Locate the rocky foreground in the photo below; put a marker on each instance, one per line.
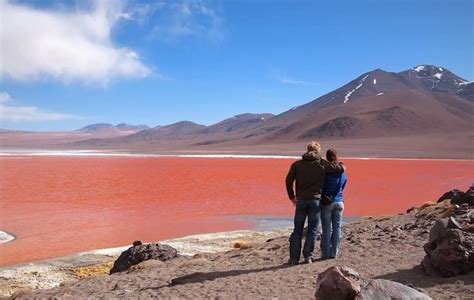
(391, 248)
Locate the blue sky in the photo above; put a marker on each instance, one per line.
(67, 64)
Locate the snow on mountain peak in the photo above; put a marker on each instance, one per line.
(419, 68)
(438, 75)
(465, 82)
(349, 93)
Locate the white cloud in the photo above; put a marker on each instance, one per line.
(286, 80)
(4, 97)
(66, 45)
(28, 113)
(188, 18)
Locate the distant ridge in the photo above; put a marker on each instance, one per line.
(109, 127)
(421, 108)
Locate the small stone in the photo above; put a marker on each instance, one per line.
(453, 223)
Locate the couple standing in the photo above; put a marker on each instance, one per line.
(316, 178)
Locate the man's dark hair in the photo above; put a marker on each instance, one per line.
(331, 155)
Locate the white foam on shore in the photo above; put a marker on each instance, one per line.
(93, 153)
(235, 156)
(194, 244)
(6, 237)
(74, 153)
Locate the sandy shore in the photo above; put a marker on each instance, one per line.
(51, 273)
(387, 247)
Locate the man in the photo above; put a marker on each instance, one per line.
(309, 173)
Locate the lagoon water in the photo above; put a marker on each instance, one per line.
(61, 204)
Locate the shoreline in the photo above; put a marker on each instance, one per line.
(261, 224)
(6, 237)
(389, 247)
(50, 273)
(131, 154)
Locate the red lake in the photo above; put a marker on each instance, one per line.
(59, 205)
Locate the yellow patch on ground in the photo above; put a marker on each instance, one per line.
(427, 204)
(93, 270)
(241, 244)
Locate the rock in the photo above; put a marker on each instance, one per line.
(139, 253)
(459, 197)
(450, 195)
(145, 265)
(469, 228)
(450, 250)
(452, 223)
(410, 226)
(439, 226)
(470, 193)
(426, 264)
(339, 282)
(386, 289)
(137, 243)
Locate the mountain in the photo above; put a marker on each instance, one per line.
(128, 127)
(175, 131)
(423, 111)
(54, 139)
(122, 128)
(414, 109)
(237, 122)
(185, 131)
(424, 99)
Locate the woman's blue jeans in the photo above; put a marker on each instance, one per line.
(310, 209)
(331, 219)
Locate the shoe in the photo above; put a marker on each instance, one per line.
(292, 262)
(308, 261)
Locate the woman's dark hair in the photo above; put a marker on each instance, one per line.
(331, 155)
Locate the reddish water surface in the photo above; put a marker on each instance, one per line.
(61, 205)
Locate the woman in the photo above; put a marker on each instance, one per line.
(331, 214)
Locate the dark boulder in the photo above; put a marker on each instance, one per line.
(450, 249)
(459, 197)
(139, 253)
(343, 283)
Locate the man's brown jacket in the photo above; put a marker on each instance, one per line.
(309, 174)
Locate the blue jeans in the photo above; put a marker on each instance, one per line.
(331, 216)
(310, 209)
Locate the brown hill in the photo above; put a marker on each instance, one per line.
(29, 139)
(410, 112)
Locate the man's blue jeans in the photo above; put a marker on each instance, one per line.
(310, 209)
(331, 216)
